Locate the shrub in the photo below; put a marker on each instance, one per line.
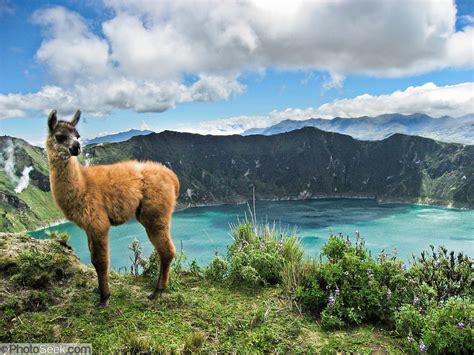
(260, 253)
(350, 287)
(217, 270)
(408, 321)
(441, 329)
(446, 274)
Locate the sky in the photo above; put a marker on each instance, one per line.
(222, 67)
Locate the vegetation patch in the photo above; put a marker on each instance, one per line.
(262, 296)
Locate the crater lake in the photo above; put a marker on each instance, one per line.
(202, 232)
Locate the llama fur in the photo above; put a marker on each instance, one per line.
(98, 197)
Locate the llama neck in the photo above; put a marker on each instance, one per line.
(67, 180)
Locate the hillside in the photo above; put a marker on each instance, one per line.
(305, 163)
(446, 129)
(25, 197)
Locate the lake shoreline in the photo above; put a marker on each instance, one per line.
(381, 200)
(181, 207)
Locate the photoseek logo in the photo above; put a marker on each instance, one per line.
(42, 348)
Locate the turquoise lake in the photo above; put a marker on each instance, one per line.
(203, 231)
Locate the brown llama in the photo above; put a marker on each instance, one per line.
(100, 196)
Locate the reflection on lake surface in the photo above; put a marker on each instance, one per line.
(204, 230)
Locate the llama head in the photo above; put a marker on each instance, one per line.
(63, 136)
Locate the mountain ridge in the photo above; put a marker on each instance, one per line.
(117, 137)
(445, 128)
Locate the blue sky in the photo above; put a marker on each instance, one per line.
(177, 65)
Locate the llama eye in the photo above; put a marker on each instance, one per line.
(61, 138)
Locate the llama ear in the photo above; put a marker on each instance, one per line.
(76, 118)
(52, 120)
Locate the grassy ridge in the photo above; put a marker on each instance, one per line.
(56, 303)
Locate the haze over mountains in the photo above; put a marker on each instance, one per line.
(117, 137)
(446, 129)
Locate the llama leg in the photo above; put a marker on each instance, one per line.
(159, 235)
(99, 248)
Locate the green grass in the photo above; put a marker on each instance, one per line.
(194, 315)
(226, 320)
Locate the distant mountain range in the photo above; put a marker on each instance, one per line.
(446, 129)
(304, 163)
(117, 137)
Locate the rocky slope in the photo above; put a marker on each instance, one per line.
(305, 163)
(300, 164)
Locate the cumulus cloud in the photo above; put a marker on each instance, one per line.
(373, 37)
(148, 47)
(70, 49)
(436, 101)
(102, 97)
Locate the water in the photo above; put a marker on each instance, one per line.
(203, 231)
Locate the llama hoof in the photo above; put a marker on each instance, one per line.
(104, 302)
(155, 294)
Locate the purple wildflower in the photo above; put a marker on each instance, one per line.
(337, 292)
(346, 273)
(460, 325)
(370, 274)
(423, 347)
(416, 301)
(389, 294)
(331, 300)
(280, 245)
(410, 339)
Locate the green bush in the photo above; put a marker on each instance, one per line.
(448, 328)
(442, 329)
(351, 287)
(408, 321)
(217, 270)
(259, 255)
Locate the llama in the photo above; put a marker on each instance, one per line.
(100, 196)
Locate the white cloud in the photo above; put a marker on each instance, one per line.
(383, 38)
(103, 97)
(452, 100)
(70, 50)
(140, 55)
